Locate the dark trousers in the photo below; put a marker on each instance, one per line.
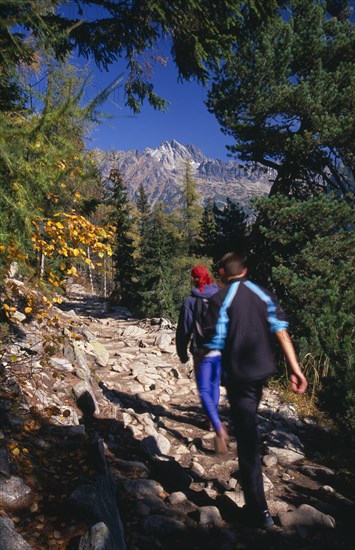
(244, 399)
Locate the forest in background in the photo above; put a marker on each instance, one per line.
(280, 80)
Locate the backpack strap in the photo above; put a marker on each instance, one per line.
(200, 309)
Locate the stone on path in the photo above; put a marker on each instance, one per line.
(306, 517)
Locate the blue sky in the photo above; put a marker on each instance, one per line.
(186, 120)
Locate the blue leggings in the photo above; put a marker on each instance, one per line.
(208, 376)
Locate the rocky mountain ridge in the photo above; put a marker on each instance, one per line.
(104, 447)
(161, 173)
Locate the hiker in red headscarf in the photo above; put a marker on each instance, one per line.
(189, 337)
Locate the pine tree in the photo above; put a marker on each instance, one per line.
(158, 255)
(190, 211)
(231, 229)
(287, 94)
(200, 32)
(207, 238)
(310, 246)
(125, 276)
(143, 208)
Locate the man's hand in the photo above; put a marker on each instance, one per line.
(298, 383)
(298, 380)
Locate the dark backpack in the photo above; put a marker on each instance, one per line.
(200, 310)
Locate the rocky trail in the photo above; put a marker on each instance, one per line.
(104, 446)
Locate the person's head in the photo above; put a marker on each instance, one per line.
(231, 266)
(200, 276)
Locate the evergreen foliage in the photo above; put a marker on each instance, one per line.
(144, 210)
(223, 229)
(231, 229)
(311, 246)
(207, 237)
(41, 158)
(287, 95)
(190, 210)
(199, 31)
(158, 255)
(123, 252)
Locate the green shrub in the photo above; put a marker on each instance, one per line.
(310, 246)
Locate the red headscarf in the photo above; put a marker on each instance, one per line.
(200, 272)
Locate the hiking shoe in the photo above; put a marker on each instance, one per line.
(257, 520)
(265, 520)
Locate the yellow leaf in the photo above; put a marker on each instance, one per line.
(9, 308)
(16, 451)
(28, 309)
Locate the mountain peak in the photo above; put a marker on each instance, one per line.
(172, 154)
(161, 172)
(174, 143)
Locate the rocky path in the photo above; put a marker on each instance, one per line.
(150, 478)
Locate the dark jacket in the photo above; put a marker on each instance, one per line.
(241, 320)
(185, 324)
